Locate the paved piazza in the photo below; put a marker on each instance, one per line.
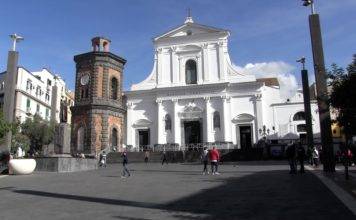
(174, 191)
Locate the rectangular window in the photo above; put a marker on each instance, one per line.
(38, 91)
(38, 108)
(28, 85)
(28, 104)
(47, 113)
(49, 82)
(47, 97)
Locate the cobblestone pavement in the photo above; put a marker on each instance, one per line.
(253, 190)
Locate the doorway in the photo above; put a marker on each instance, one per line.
(245, 137)
(192, 132)
(143, 138)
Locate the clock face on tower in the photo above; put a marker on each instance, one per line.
(84, 80)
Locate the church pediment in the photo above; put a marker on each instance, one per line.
(188, 29)
(142, 123)
(243, 118)
(191, 111)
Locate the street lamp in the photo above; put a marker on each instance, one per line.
(15, 38)
(306, 3)
(307, 110)
(321, 87)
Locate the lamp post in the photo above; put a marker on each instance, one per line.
(321, 87)
(10, 88)
(307, 110)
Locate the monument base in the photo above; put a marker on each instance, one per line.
(65, 164)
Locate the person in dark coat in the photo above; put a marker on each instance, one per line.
(164, 157)
(290, 153)
(301, 157)
(124, 165)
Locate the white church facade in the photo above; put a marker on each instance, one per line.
(195, 95)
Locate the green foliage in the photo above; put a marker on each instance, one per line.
(20, 140)
(39, 131)
(4, 126)
(343, 96)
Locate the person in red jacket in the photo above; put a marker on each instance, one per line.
(214, 159)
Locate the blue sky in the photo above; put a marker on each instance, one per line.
(261, 30)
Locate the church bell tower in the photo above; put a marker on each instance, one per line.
(98, 111)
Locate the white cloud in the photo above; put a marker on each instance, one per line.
(281, 70)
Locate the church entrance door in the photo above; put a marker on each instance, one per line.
(143, 138)
(192, 132)
(245, 137)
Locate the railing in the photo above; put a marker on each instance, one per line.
(176, 147)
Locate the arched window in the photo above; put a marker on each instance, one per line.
(299, 116)
(216, 120)
(168, 122)
(191, 72)
(113, 93)
(80, 139)
(114, 139)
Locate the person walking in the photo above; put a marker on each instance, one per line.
(290, 153)
(315, 157)
(301, 157)
(102, 159)
(125, 171)
(214, 159)
(147, 155)
(205, 158)
(164, 157)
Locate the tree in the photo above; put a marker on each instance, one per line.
(4, 126)
(343, 96)
(39, 131)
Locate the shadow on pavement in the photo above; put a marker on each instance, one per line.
(261, 195)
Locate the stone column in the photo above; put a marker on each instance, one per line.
(9, 98)
(205, 63)
(129, 139)
(177, 130)
(54, 102)
(208, 117)
(226, 119)
(159, 121)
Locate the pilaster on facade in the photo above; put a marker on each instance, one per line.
(181, 71)
(159, 66)
(177, 125)
(156, 65)
(221, 60)
(105, 83)
(129, 122)
(226, 118)
(257, 101)
(205, 62)
(105, 131)
(160, 126)
(208, 121)
(199, 69)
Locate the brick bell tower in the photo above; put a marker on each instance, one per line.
(98, 112)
